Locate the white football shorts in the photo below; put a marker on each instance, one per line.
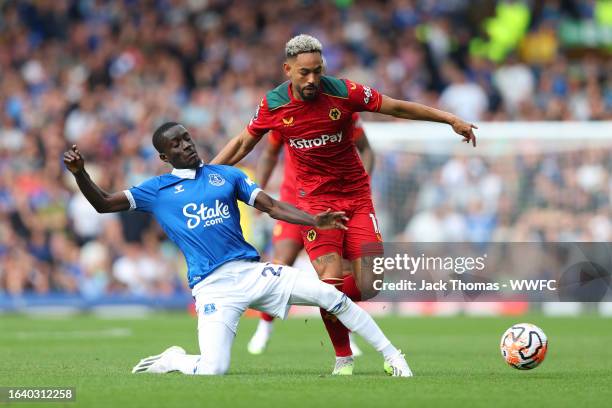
(224, 295)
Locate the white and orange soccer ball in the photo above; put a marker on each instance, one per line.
(524, 346)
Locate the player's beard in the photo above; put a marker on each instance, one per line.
(311, 96)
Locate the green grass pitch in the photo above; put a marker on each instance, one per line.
(456, 361)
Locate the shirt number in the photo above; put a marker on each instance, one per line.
(270, 268)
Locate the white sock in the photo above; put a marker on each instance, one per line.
(308, 291)
(357, 320)
(264, 328)
(389, 351)
(185, 363)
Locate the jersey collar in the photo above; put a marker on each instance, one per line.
(185, 173)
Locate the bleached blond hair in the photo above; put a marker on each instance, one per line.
(301, 44)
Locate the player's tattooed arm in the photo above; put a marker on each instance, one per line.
(416, 111)
(266, 163)
(102, 201)
(236, 149)
(280, 210)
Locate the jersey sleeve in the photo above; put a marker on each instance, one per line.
(274, 138)
(358, 131)
(142, 196)
(363, 98)
(246, 189)
(260, 124)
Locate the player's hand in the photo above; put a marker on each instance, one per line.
(330, 220)
(465, 129)
(73, 160)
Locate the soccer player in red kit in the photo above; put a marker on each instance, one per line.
(312, 113)
(287, 238)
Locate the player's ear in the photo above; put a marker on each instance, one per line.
(163, 157)
(287, 68)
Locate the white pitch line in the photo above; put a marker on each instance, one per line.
(79, 334)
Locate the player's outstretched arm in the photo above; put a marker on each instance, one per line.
(417, 111)
(266, 163)
(236, 149)
(286, 212)
(102, 201)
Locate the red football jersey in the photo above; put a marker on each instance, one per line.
(319, 135)
(288, 188)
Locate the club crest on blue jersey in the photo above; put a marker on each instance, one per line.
(209, 308)
(216, 179)
(203, 222)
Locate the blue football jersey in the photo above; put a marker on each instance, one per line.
(198, 211)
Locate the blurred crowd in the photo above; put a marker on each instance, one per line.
(561, 196)
(104, 74)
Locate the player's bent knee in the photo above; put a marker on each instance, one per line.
(367, 284)
(218, 370)
(212, 370)
(368, 293)
(212, 367)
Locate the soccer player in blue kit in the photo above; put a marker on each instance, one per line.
(196, 206)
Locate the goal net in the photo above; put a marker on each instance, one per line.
(525, 181)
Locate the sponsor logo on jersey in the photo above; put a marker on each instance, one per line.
(288, 121)
(209, 308)
(216, 179)
(178, 189)
(334, 114)
(256, 112)
(249, 181)
(367, 91)
(316, 142)
(206, 215)
(311, 235)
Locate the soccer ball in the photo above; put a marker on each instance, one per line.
(524, 346)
